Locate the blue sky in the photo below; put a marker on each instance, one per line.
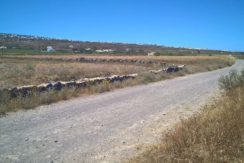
(213, 24)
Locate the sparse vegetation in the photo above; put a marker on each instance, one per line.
(167, 59)
(29, 45)
(216, 134)
(232, 81)
(17, 72)
(8, 103)
(239, 56)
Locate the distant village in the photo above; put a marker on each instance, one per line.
(25, 44)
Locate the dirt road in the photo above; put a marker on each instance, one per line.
(106, 127)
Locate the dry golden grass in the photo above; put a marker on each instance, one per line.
(216, 134)
(9, 104)
(16, 72)
(168, 59)
(19, 71)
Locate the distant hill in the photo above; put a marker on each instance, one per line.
(18, 44)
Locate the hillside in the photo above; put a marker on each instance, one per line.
(27, 44)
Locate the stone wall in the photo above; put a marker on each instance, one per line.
(82, 83)
(59, 85)
(169, 69)
(122, 61)
(96, 60)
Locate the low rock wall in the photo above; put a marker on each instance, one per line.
(82, 83)
(97, 60)
(59, 85)
(122, 61)
(169, 69)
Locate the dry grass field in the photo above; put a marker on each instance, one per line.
(18, 72)
(171, 59)
(31, 70)
(27, 70)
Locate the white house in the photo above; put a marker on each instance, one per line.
(151, 54)
(50, 49)
(3, 47)
(71, 46)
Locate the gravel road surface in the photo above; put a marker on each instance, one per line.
(104, 128)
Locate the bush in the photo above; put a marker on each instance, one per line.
(231, 81)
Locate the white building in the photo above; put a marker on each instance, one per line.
(3, 47)
(105, 51)
(151, 54)
(71, 46)
(50, 49)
